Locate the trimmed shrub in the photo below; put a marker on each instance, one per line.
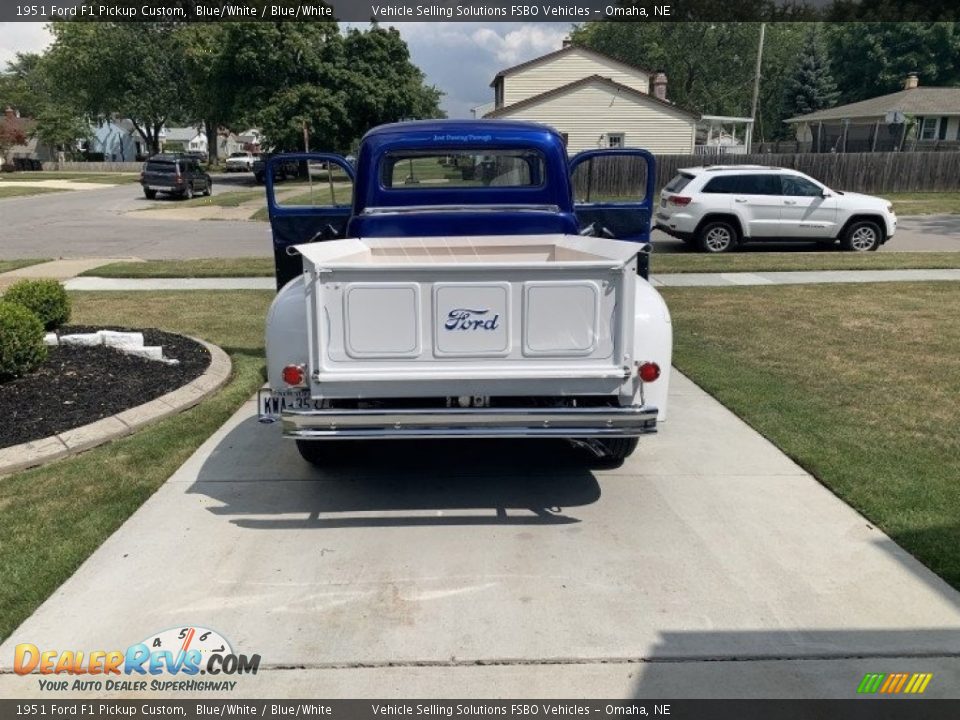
(44, 298)
(21, 341)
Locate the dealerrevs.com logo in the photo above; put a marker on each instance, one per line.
(167, 661)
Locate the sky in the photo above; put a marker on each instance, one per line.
(459, 58)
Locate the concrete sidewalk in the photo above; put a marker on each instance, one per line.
(800, 277)
(708, 565)
(62, 269)
(663, 280)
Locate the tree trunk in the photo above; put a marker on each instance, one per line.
(212, 140)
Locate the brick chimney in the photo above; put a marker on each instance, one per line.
(567, 42)
(660, 86)
(911, 81)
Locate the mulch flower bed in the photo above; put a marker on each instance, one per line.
(80, 385)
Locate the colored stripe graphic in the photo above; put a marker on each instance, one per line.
(894, 683)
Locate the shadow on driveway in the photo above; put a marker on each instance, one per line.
(391, 484)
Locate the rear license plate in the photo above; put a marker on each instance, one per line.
(271, 405)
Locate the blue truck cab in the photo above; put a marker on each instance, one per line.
(437, 178)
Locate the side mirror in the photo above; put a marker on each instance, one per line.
(826, 194)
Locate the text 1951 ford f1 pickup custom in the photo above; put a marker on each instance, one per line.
(451, 286)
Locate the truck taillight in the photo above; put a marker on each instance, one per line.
(679, 200)
(294, 375)
(649, 371)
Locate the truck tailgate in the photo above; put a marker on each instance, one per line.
(493, 311)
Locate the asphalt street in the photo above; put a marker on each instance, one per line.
(708, 565)
(102, 223)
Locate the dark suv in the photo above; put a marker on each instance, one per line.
(178, 175)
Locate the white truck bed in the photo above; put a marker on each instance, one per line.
(440, 316)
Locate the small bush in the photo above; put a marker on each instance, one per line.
(21, 341)
(44, 298)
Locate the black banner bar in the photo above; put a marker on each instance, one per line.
(476, 10)
(855, 709)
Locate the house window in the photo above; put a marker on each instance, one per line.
(928, 128)
(615, 140)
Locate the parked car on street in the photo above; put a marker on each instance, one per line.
(464, 308)
(176, 175)
(719, 207)
(281, 170)
(240, 162)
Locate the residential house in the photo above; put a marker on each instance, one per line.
(16, 129)
(915, 118)
(183, 139)
(594, 101)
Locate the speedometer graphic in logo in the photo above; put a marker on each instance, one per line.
(183, 639)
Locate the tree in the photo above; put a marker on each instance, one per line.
(710, 66)
(28, 87)
(22, 85)
(870, 59)
(810, 86)
(135, 70)
(281, 77)
(11, 134)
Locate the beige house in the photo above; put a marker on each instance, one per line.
(595, 101)
(915, 118)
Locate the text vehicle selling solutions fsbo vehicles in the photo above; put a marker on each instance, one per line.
(451, 286)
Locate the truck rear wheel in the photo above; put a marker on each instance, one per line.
(619, 449)
(607, 451)
(323, 452)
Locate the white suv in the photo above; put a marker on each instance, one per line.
(720, 206)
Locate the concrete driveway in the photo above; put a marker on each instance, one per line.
(709, 565)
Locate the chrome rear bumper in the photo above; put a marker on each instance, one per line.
(469, 422)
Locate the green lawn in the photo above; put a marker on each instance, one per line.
(857, 383)
(202, 267)
(8, 265)
(20, 191)
(230, 199)
(54, 517)
(694, 262)
(318, 195)
(924, 203)
(86, 177)
(660, 263)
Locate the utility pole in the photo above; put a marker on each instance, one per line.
(756, 85)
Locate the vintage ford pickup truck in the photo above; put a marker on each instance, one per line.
(453, 285)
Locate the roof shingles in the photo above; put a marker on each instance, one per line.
(917, 101)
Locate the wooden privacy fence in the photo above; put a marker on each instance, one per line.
(858, 172)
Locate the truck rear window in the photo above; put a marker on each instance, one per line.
(166, 168)
(462, 169)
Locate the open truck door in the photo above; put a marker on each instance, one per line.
(613, 195)
(614, 190)
(313, 206)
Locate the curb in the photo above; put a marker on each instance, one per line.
(70, 442)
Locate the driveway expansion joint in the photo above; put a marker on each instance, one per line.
(86, 437)
(521, 662)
